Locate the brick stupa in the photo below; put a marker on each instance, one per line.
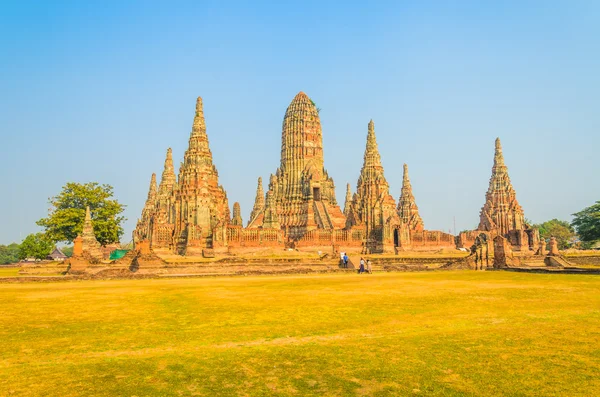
(236, 220)
(407, 206)
(373, 208)
(188, 214)
(86, 245)
(501, 211)
(501, 214)
(200, 203)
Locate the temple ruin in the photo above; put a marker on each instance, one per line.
(302, 193)
(372, 208)
(501, 214)
(189, 214)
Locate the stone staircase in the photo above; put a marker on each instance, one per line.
(532, 261)
(322, 215)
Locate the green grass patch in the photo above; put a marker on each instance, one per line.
(430, 333)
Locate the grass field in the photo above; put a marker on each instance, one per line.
(9, 271)
(429, 333)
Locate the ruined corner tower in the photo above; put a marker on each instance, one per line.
(502, 214)
(372, 207)
(407, 205)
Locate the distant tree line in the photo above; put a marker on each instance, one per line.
(9, 253)
(583, 232)
(34, 246)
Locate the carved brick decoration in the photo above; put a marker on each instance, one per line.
(407, 206)
(271, 218)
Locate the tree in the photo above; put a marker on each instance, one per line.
(587, 223)
(37, 246)
(9, 253)
(66, 217)
(561, 230)
(68, 251)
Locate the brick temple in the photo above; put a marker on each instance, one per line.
(189, 214)
(501, 214)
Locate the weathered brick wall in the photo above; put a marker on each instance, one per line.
(239, 237)
(431, 239)
(593, 260)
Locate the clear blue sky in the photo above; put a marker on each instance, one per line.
(97, 91)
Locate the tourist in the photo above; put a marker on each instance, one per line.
(361, 269)
(345, 261)
(369, 268)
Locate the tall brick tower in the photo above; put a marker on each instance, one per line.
(302, 192)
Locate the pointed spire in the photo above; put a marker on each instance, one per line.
(371, 205)
(148, 209)
(371, 160)
(259, 201)
(348, 201)
(237, 215)
(498, 156)
(198, 150)
(199, 126)
(168, 181)
(372, 157)
(152, 190)
(88, 215)
(407, 206)
(90, 245)
(371, 147)
(405, 179)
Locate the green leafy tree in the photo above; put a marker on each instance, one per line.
(561, 230)
(37, 246)
(66, 216)
(587, 223)
(9, 253)
(68, 251)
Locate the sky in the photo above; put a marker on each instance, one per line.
(98, 90)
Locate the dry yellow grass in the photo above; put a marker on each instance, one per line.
(433, 333)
